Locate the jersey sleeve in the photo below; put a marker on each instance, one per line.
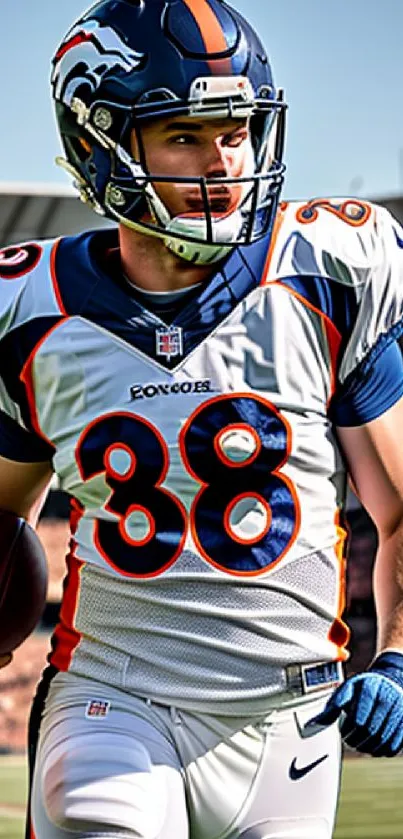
(371, 368)
(27, 304)
(17, 443)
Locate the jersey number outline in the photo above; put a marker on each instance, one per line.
(18, 260)
(351, 211)
(228, 485)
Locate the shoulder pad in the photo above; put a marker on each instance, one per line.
(329, 237)
(27, 288)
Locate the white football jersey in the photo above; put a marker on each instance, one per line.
(206, 481)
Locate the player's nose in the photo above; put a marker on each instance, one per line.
(218, 160)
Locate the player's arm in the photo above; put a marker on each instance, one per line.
(374, 454)
(371, 703)
(23, 489)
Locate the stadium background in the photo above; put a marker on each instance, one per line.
(369, 806)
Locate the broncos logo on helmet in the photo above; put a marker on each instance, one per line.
(101, 51)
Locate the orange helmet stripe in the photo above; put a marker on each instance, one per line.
(209, 25)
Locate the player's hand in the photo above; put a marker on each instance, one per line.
(371, 708)
(5, 659)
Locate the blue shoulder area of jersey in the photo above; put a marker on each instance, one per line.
(86, 289)
(377, 382)
(374, 386)
(15, 349)
(337, 302)
(24, 446)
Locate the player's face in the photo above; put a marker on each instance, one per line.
(195, 148)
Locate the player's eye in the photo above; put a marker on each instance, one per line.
(235, 140)
(183, 139)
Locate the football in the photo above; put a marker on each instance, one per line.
(23, 580)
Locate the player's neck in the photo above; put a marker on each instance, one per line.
(148, 264)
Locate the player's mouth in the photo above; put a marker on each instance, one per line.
(220, 200)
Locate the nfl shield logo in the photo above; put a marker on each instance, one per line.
(169, 341)
(97, 708)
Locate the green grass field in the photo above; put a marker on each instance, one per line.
(371, 801)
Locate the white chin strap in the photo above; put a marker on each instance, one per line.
(225, 229)
(200, 253)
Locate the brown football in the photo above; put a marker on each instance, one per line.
(23, 580)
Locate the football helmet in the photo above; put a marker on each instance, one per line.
(126, 61)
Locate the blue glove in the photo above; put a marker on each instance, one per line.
(371, 705)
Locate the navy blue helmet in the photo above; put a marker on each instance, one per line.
(126, 61)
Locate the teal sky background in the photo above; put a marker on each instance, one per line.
(339, 61)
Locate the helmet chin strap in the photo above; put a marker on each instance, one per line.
(197, 254)
(200, 253)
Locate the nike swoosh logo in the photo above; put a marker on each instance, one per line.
(295, 773)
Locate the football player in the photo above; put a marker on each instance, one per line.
(202, 378)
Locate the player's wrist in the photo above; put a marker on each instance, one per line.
(389, 663)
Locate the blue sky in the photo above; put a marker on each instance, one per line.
(340, 62)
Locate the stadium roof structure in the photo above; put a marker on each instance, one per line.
(42, 211)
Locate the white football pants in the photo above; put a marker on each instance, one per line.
(112, 765)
